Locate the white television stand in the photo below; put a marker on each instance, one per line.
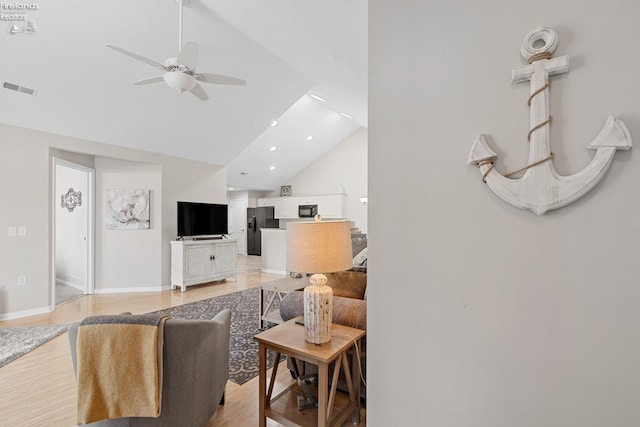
(201, 261)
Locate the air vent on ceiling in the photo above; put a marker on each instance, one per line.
(18, 88)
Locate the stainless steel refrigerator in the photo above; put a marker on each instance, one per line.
(258, 218)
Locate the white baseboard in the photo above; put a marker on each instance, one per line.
(49, 309)
(26, 313)
(130, 290)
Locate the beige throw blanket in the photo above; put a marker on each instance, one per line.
(119, 367)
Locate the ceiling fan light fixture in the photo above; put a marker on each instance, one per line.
(180, 72)
(179, 81)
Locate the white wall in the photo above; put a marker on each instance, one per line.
(344, 165)
(78, 158)
(189, 181)
(25, 182)
(128, 259)
(482, 314)
(25, 201)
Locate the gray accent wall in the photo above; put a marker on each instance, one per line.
(482, 314)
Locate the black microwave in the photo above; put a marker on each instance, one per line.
(307, 211)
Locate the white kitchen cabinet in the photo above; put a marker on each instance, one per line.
(286, 207)
(202, 261)
(307, 200)
(329, 206)
(332, 206)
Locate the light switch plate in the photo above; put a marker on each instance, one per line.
(22, 230)
(11, 231)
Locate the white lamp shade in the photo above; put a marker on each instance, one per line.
(319, 246)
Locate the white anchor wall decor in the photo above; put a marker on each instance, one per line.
(541, 189)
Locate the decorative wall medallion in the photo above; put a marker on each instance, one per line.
(285, 191)
(540, 188)
(71, 200)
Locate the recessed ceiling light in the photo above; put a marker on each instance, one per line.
(274, 123)
(346, 115)
(274, 148)
(272, 168)
(231, 188)
(319, 98)
(309, 138)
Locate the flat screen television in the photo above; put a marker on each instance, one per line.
(202, 219)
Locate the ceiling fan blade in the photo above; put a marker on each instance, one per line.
(149, 80)
(199, 92)
(138, 57)
(218, 79)
(189, 55)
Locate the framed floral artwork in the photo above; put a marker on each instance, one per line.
(127, 209)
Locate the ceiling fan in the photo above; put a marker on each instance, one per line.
(180, 73)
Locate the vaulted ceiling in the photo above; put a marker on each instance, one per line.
(286, 50)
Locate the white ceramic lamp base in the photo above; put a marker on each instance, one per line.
(318, 310)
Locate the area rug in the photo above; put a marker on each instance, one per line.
(18, 341)
(243, 349)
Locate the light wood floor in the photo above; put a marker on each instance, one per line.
(39, 389)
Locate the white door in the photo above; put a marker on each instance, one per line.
(73, 226)
(238, 223)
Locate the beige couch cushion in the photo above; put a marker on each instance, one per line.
(350, 284)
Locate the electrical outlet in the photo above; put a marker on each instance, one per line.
(22, 280)
(12, 231)
(22, 230)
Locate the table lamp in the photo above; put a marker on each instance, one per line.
(318, 247)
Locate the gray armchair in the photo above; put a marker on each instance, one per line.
(195, 372)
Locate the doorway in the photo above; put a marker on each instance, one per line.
(238, 223)
(73, 230)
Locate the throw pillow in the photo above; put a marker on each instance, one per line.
(361, 258)
(348, 284)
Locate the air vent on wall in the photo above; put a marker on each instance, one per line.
(18, 88)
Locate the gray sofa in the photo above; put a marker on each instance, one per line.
(195, 372)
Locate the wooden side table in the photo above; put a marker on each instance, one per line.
(288, 338)
(278, 288)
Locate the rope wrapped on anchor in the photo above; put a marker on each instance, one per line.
(547, 85)
(538, 56)
(529, 166)
(491, 165)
